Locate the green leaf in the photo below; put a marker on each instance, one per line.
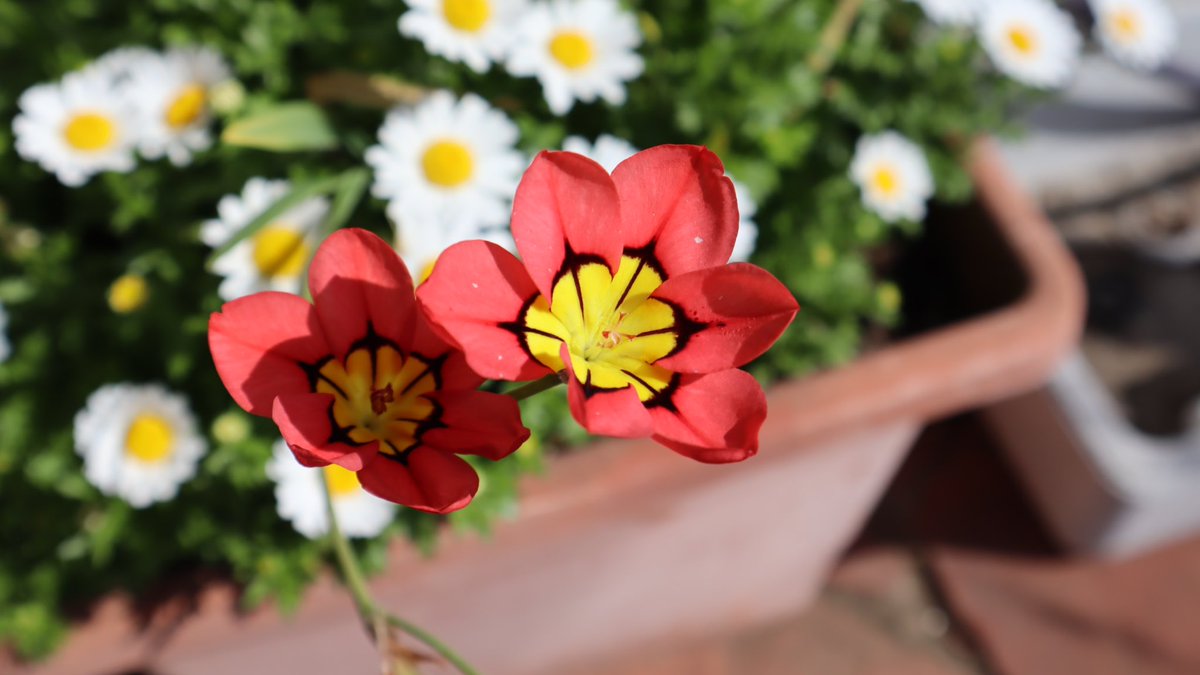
(286, 127)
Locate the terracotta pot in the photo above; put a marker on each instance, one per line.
(627, 544)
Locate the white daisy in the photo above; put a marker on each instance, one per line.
(951, 12)
(609, 151)
(75, 128)
(138, 442)
(1032, 41)
(1140, 34)
(475, 32)
(275, 257)
(893, 175)
(5, 348)
(118, 65)
(448, 162)
(171, 95)
(578, 50)
(298, 498)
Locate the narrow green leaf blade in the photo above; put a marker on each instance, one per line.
(286, 127)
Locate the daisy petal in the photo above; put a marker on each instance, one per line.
(742, 309)
(257, 344)
(713, 418)
(566, 204)
(429, 480)
(677, 199)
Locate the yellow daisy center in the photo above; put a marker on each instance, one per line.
(1023, 40)
(279, 252)
(572, 49)
(340, 482)
(379, 395)
(885, 180)
(150, 438)
(1125, 25)
(187, 106)
(613, 330)
(128, 293)
(90, 132)
(447, 163)
(467, 15)
(427, 270)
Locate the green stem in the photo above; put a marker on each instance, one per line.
(833, 36)
(371, 614)
(536, 387)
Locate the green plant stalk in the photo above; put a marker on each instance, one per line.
(536, 387)
(833, 36)
(370, 613)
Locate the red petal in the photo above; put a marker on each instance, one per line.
(477, 423)
(678, 198)
(304, 422)
(430, 480)
(607, 413)
(743, 308)
(256, 342)
(565, 197)
(475, 289)
(455, 372)
(716, 417)
(356, 278)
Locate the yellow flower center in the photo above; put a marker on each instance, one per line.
(90, 132)
(379, 396)
(1023, 40)
(613, 330)
(885, 181)
(447, 163)
(149, 438)
(1125, 25)
(426, 271)
(128, 293)
(187, 107)
(279, 252)
(572, 49)
(467, 15)
(340, 482)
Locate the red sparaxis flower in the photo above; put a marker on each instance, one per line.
(624, 286)
(358, 379)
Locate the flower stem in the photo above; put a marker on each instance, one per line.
(833, 36)
(375, 618)
(536, 387)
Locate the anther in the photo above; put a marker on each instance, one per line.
(380, 398)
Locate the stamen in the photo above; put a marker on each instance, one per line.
(380, 398)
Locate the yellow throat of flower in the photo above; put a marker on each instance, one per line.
(279, 252)
(188, 105)
(447, 163)
(468, 16)
(90, 132)
(572, 49)
(150, 438)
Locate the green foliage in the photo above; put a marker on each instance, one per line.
(730, 74)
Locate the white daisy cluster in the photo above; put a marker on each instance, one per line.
(273, 258)
(138, 442)
(609, 151)
(448, 168)
(298, 498)
(579, 50)
(893, 176)
(1036, 43)
(131, 99)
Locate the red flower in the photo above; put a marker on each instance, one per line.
(357, 378)
(624, 285)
